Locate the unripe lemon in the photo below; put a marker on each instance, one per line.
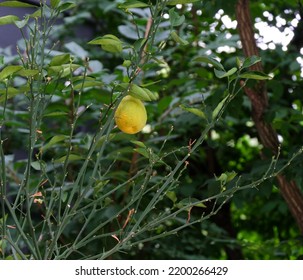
(130, 116)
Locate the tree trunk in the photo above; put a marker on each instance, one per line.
(259, 100)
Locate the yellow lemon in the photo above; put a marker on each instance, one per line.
(130, 116)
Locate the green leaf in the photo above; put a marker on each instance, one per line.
(178, 39)
(141, 93)
(108, 43)
(127, 63)
(66, 6)
(194, 111)
(133, 4)
(64, 196)
(16, 4)
(222, 74)
(9, 70)
(63, 70)
(138, 143)
(56, 139)
(54, 3)
(11, 92)
(190, 202)
(172, 196)
(142, 151)
(36, 14)
(249, 61)
(149, 95)
(9, 19)
(2, 221)
(175, 2)
(56, 114)
(210, 60)
(174, 18)
(88, 84)
(239, 62)
(219, 107)
(60, 59)
(255, 75)
(21, 23)
(36, 165)
(226, 177)
(27, 72)
(138, 44)
(100, 185)
(71, 157)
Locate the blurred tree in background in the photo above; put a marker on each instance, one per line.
(263, 221)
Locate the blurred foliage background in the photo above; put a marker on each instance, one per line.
(255, 223)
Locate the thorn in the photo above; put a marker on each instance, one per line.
(115, 237)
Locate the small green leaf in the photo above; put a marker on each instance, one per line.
(239, 62)
(87, 84)
(226, 177)
(9, 19)
(139, 43)
(63, 70)
(222, 74)
(100, 185)
(60, 59)
(231, 71)
(64, 196)
(219, 107)
(56, 114)
(2, 221)
(56, 139)
(219, 74)
(54, 3)
(27, 72)
(210, 60)
(249, 61)
(141, 93)
(172, 196)
(36, 14)
(222, 178)
(16, 4)
(108, 43)
(175, 2)
(142, 151)
(21, 23)
(66, 6)
(127, 63)
(133, 4)
(190, 202)
(174, 18)
(10, 93)
(9, 70)
(255, 75)
(36, 165)
(150, 96)
(178, 39)
(194, 111)
(71, 157)
(138, 143)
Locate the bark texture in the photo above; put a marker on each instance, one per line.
(259, 100)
